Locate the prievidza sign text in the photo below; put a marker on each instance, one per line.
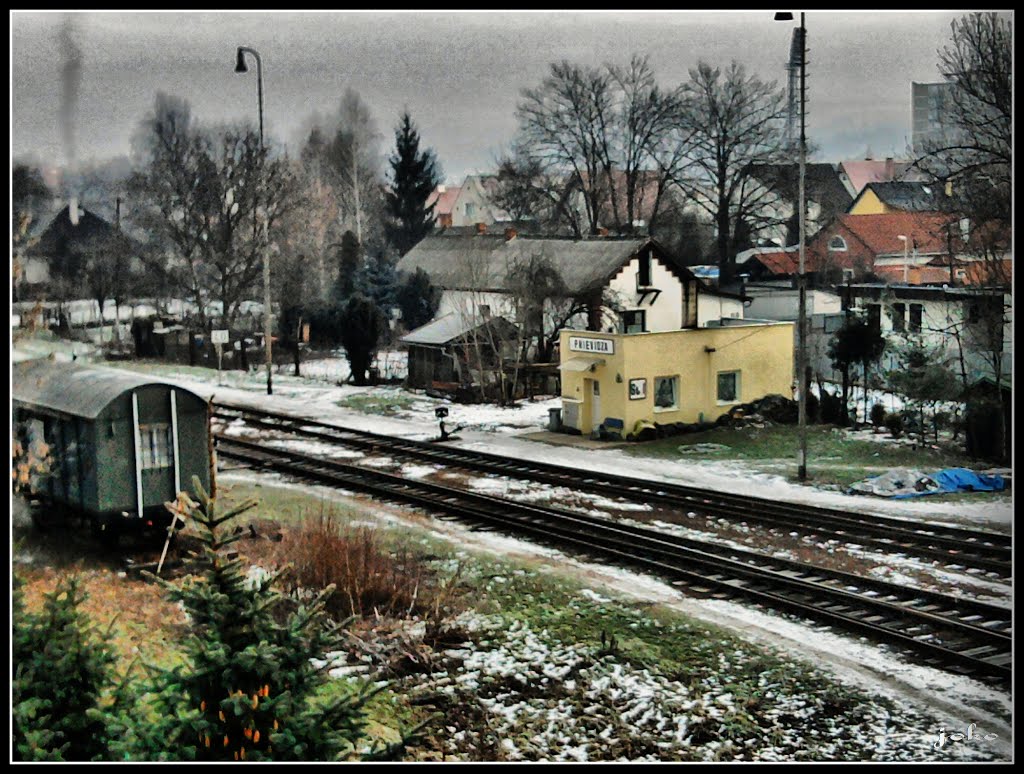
(584, 344)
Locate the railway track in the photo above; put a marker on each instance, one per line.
(959, 635)
(968, 548)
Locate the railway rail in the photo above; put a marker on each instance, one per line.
(960, 635)
(968, 548)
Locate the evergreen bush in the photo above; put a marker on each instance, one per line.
(248, 689)
(64, 695)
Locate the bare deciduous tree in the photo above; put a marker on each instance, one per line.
(215, 202)
(734, 120)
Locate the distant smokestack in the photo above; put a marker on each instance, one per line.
(890, 168)
(71, 82)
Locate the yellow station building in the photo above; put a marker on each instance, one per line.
(615, 380)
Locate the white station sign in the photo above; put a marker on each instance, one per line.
(587, 344)
(219, 337)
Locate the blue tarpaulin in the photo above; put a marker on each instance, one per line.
(901, 484)
(964, 480)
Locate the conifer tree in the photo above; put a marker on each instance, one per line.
(378, 281)
(248, 690)
(414, 176)
(362, 327)
(64, 697)
(349, 266)
(418, 299)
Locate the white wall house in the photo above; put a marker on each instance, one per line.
(613, 285)
(473, 204)
(970, 328)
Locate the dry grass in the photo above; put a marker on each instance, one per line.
(370, 578)
(147, 626)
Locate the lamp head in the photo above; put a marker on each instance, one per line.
(240, 62)
(783, 16)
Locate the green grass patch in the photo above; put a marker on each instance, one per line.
(387, 404)
(834, 455)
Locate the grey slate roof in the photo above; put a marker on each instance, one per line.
(60, 235)
(72, 389)
(482, 262)
(909, 197)
(822, 183)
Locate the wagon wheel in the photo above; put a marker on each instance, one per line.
(104, 532)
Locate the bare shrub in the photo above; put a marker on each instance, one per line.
(371, 580)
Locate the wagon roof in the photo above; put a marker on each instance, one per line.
(73, 389)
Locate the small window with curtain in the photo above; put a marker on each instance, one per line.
(728, 386)
(666, 392)
(156, 446)
(837, 243)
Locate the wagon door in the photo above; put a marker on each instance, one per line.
(156, 450)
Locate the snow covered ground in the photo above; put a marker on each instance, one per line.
(944, 700)
(495, 429)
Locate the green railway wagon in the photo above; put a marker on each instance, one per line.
(115, 445)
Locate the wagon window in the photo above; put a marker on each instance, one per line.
(156, 446)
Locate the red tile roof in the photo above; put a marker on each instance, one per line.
(862, 172)
(880, 233)
(445, 199)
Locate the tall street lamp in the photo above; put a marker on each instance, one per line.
(241, 68)
(801, 339)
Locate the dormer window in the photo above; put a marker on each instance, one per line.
(643, 275)
(837, 243)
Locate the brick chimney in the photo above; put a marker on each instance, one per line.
(510, 233)
(890, 168)
(481, 228)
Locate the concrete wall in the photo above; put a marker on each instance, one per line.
(784, 303)
(711, 308)
(762, 354)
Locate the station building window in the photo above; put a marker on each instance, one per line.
(666, 392)
(156, 446)
(728, 386)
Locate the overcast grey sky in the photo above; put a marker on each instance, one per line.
(459, 74)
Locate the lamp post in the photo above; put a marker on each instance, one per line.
(906, 258)
(240, 67)
(801, 340)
